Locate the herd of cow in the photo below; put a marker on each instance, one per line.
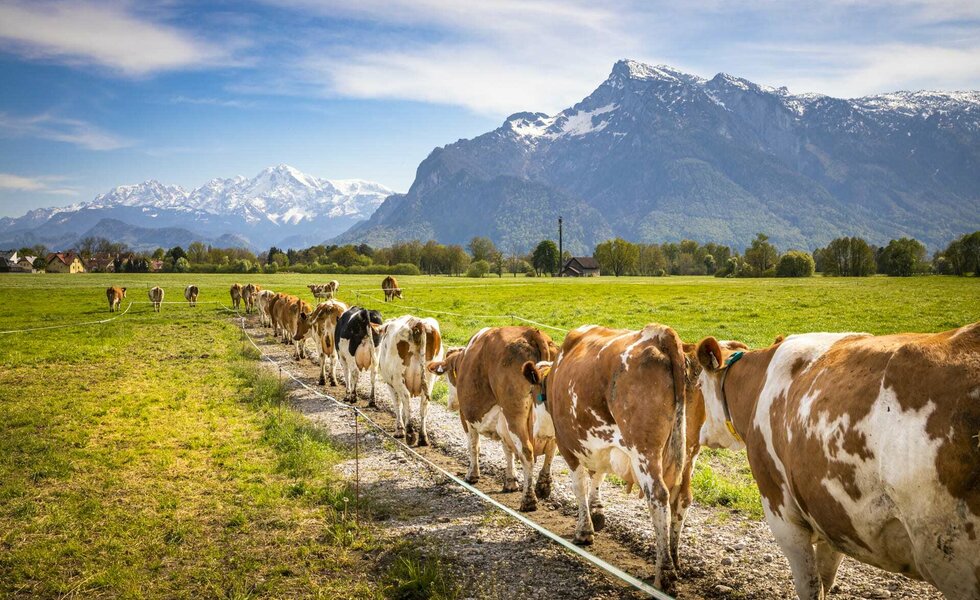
(861, 445)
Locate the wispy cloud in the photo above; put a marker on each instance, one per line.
(60, 129)
(211, 101)
(105, 34)
(44, 184)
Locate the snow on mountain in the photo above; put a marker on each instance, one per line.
(279, 203)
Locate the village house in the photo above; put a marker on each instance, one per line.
(64, 262)
(581, 266)
(101, 263)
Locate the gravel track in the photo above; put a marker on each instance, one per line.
(723, 554)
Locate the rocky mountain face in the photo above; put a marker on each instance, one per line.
(280, 206)
(657, 155)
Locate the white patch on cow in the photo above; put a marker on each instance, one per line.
(612, 341)
(975, 393)
(488, 424)
(476, 336)
(544, 427)
(646, 335)
(574, 398)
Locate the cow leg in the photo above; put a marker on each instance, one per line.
(333, 368)
(529, 503)
(323, 368)
(595, 502)
(423, 412)
(796, 546)
(373, 373)
(680, 504)
(828, 561)
(581, 483)
(543, 487)
(658, 502)
(474, 438)
(400, 416)
(510, 479)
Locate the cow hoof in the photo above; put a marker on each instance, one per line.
(543, 488)
(423, 440)
(583, 540)
(528, 505)
(598, 521)
(411, 438)
(510, 486)
(472, 479)
(323, 381)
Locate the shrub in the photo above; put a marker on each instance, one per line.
(404, 269)
(795, 264)
(478, 268)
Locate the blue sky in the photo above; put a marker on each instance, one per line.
(98, 94)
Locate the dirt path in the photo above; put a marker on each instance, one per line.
(723, 554)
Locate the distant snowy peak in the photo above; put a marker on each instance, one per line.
(280, 194)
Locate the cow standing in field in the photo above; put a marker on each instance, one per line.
(495, 401)
(249, 292)
(325, 291)
(626, 402)
(390, 287)
(288, 310)
(236, 296)
(115, 295)
(156, 297)
(356, 340)
(408, 344)
(861, 445)
(322, 324)
(190, 293)
(262, 300)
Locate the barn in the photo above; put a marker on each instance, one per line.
(581, 266)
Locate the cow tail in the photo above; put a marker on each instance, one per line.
(671, 345)
(422, 362)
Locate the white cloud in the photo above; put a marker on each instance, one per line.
(108, 35)
(71, 131)
(44, 184)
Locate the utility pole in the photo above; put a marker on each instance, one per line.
(561, 254)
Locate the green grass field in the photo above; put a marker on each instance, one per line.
(144, 457)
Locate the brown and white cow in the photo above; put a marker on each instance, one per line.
(287, 312)
(861, 445)
(115, 295)
(249, 293)
(407, 345)
(390, 287)
(236, 296)
(156, 297)
(321, 324)
(626, 402)
(324, 291)
(262, 300)
(190, 294)
(495, 401)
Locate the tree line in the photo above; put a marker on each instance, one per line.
(844, 257)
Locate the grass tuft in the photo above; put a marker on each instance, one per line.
(413, 577)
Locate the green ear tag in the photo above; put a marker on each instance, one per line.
(734, 358)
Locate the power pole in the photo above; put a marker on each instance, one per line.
(561, 254)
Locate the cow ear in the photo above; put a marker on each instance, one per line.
(124, 289)
(531, 373)
(779, 339)
(437, 366)
(709, 353)
(302, 315)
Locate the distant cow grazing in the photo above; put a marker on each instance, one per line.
(324, 291)
(356, 340)
(190, 293)
(391, 289)
(262, 300)
(861, 445)
(249, 292)
(625, 402)
(115, 295)
(236, 296)
(495, 400)
(322, 324)
(408, 344)
(156, 297)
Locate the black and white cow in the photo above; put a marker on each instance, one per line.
(356, 340)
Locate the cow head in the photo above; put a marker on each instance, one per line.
(124, 292)
(712, 355)
(449, 366)
(303, 325)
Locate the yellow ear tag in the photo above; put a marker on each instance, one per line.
(731, 430)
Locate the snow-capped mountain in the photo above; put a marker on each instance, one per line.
(281, 205)
(655, 154)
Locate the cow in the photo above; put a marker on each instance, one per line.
(249, 292)
(272, 310)
(115, 295)
(262, 300)
(408, 345)
(356, 339)
(236, 296)
(287, 310)
(494, 400)
(190, 293)
(625, 402)
(325, 291)
(865, 446)
(322, 324)
(156, 297)
(390, 287)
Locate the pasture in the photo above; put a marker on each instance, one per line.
(144, 456)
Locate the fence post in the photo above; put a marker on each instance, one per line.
(357, 469)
